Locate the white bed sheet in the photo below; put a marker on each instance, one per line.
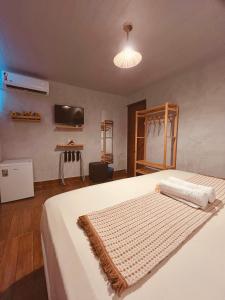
(195, 272)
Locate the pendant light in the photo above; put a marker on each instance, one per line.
(128, 57)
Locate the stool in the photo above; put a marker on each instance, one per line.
(100, 171)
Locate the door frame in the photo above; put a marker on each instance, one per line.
(141, 102)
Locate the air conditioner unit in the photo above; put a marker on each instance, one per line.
(18, 81)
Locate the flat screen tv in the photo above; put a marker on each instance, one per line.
(69, 115)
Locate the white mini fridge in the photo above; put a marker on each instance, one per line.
(16, 179)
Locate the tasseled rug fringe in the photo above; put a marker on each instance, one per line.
(117, 282)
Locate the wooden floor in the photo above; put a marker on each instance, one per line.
(21, 263)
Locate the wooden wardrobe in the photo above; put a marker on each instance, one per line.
(166, 116)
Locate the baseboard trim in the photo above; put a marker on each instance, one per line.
(42, 184)
(68, 180)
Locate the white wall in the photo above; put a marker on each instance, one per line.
(38, 140)
(200, 93)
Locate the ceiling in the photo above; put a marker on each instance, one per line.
(74, 41)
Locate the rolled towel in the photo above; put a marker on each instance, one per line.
(210, 190)
(197, 196)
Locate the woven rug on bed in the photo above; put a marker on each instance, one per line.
(132, 238)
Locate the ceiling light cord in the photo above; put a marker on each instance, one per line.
(127, 27)
(127, 37)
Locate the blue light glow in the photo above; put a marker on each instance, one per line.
(2, 93)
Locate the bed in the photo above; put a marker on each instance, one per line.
(196, 271)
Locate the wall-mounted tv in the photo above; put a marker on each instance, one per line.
(69, 115)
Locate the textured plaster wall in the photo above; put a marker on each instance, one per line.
(38, 140)
(200, 93)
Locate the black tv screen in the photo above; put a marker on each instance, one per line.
(69, 115)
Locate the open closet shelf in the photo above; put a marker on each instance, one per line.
(151, 164)
(163, 115)
(144, 171)
(61, 147)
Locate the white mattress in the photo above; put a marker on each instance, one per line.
(195, 272)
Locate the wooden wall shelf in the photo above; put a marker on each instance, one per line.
(61, 147)
(62, 127)
(26, 118)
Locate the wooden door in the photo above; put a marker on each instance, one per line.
(132, 108)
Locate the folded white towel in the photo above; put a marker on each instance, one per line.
(191, 204)
(210, 190)
(197, 196)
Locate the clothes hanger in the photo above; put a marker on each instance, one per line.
(159, 127)
(154, 122)
(149, 123)
(171, 127)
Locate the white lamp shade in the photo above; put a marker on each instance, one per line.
(127, 58)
